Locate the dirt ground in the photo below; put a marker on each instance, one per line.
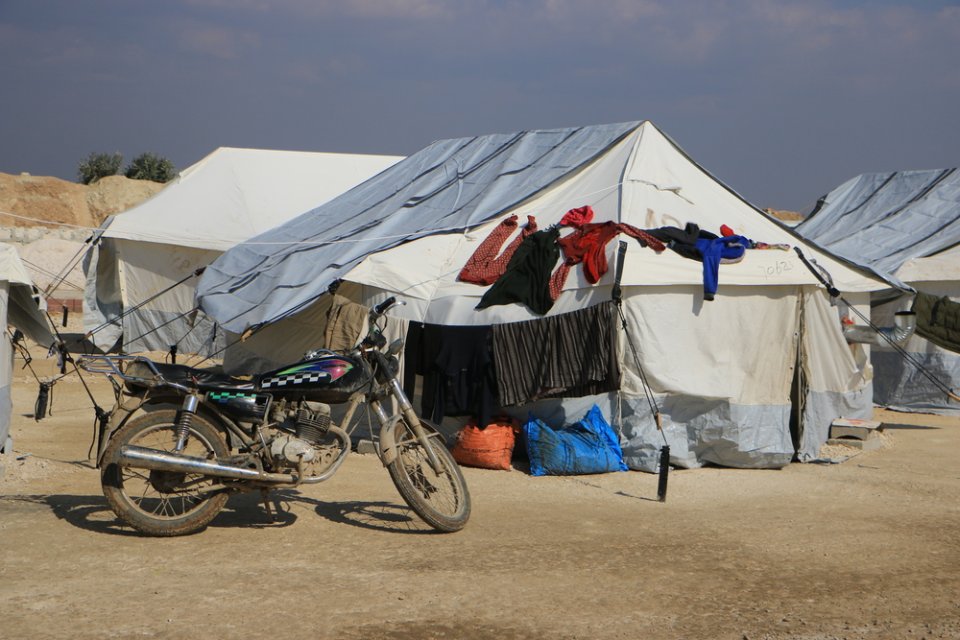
(868, 548)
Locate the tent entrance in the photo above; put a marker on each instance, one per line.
(798, 394)
(799, 387)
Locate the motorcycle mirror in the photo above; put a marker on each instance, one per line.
(395, 347)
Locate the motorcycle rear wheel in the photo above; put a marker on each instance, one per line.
(441, 500)
(163, 503)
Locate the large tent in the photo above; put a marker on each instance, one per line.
(905, 225)
(18, 308)
(225, 198)
(722, 371)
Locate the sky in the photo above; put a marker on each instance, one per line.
(782, 101)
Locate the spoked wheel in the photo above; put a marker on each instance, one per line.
(163, 503)
(441, 499)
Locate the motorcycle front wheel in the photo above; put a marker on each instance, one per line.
(440, 499)
(163, 503)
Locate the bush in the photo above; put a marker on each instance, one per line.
(99, 165)
(149, 166)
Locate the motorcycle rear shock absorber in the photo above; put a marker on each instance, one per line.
(185, 419)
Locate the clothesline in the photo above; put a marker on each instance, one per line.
(149, 237)
(49, 222)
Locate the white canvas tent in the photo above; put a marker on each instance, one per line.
(18, 309)
(227, 197)
(905, 225)
(722, 370)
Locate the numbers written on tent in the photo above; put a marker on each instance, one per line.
(776, 269)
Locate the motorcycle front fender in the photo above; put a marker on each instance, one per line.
(388, 444)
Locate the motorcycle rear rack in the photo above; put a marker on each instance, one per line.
(110, 365)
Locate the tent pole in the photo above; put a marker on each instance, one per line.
(617, 294)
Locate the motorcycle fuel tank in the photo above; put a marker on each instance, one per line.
(330, 378)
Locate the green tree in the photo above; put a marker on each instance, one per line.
(97, 165)
(150, 166)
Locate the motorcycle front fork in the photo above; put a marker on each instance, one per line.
(408, 413)
(184, 419)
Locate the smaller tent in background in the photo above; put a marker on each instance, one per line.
(904, 225)
(226, 198)
(18, 308)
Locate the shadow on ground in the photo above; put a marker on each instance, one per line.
(244, 511)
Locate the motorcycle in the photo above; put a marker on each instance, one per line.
(179, 440)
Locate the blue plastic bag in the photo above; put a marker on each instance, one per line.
(588, 446)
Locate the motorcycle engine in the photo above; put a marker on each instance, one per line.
(311, 420)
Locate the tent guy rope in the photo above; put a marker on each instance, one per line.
(820, 274)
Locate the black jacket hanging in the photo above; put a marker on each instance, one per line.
(527, 278)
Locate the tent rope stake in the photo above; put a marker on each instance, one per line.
(617, 295)
(835, 293)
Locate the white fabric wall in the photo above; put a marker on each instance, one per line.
(738, 347)
(720, 373)
(838, 375)
(145, 269)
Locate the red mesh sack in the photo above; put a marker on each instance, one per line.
(489, 448)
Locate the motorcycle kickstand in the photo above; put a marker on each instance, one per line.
(271, 514)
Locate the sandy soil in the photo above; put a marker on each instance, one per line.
(868, 548)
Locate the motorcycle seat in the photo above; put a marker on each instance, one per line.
(182, 374)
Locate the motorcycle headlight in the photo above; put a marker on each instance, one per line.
(393, 363)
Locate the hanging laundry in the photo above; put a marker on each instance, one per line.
(727, 231)
(938, 320)
(729, 249)
(484, 267)
(682, 241)
(697, 244)
(570, 355)
(578, 217)
(589, 242)
(456, 363)
(780, 246)
(346, 322)
(527, 277)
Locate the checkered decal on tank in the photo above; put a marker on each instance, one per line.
(295, 379)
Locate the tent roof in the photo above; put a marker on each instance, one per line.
(886, 221)
(420, 208)
(22, 310)
(234, 194)
(11, 267)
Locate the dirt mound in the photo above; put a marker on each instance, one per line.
(43, 199)
(47, 258)
(51, 202)
(114, 194)
(785, 216)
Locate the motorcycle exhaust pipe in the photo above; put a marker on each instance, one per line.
(155, 460)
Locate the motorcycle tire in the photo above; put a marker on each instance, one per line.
(441, 500)
(163, 503)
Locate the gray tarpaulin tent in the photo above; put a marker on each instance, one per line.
(225, 198)
(722, 370)
(905, 225)
(18, 309)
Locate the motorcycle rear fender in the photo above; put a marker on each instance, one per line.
(131, 404)
(388, 444)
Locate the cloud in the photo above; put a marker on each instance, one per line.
(374, 9)
(218, 42)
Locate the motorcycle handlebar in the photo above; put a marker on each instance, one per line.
(381, 308)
